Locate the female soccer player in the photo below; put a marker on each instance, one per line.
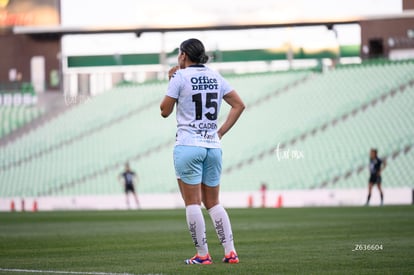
(198, 92)
(376, 166)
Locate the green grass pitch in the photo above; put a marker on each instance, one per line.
(268, 241)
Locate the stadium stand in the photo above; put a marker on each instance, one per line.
(331, 118)
(357, 87)
(13, 117)
(339, 150)
(397, 162)
(17, 107)
(130, 127)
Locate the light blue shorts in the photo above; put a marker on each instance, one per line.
(194, 165)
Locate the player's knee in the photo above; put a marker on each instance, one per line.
(210, 203)
(188, 200)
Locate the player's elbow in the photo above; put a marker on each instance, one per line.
(164, 113)
(167, 106)
(240, 107)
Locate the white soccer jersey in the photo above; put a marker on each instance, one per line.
(199, 92)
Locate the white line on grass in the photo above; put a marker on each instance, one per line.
(61, 272)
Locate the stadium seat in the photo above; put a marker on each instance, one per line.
(321, 115)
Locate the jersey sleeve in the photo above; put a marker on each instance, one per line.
(174, 86)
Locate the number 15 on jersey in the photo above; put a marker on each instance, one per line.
(210, 101)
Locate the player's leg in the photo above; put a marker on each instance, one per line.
(370, 184)
(221, 223)
(134, 194)
(126, 197)
(210, 196)
(188, 166)
(191, 194)
(381, 193)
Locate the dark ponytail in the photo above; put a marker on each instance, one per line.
(194, 49)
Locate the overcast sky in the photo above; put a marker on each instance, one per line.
(156, 13)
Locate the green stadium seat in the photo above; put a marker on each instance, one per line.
(93, 140)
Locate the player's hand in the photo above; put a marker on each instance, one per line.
(172, 71)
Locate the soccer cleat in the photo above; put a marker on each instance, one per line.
(231, 258)
(199, 260)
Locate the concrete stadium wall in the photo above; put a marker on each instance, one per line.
(17, 51)
(389, 34)
(408, 5)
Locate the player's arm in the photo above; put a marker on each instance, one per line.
(167, 106)
(237, 107)
(172, 71)
(384, 164)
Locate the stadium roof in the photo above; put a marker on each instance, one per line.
(33, 30)
(64, 30)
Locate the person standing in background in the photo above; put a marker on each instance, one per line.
(128, 178)
(376, 166)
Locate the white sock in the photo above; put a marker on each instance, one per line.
(222, 225)
(197, 228)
